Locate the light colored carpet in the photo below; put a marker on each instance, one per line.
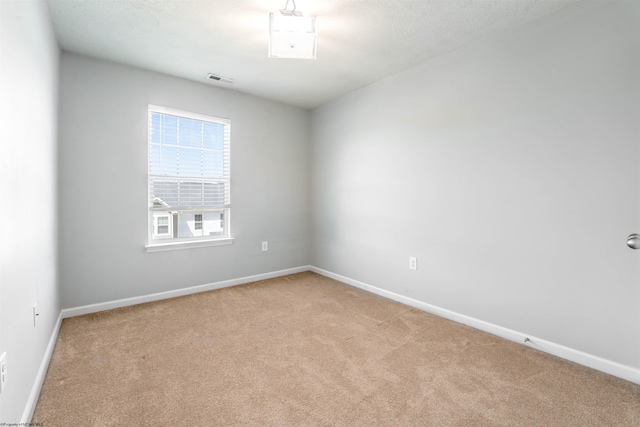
(304, 350)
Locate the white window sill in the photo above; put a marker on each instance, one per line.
(174, 246)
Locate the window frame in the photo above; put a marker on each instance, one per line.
(197, 223)
(156, 225)
(165, 241)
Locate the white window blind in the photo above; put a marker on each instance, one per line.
(189, 164)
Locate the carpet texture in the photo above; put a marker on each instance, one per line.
(306, 350)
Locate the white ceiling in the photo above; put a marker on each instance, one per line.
(359, 41)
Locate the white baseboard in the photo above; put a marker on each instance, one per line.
(616, 369)
(94, 308)
(30, 408)
(612, 368)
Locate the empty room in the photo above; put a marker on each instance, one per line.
(336, 212)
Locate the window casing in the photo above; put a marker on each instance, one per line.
(162, 225)
(189, 178)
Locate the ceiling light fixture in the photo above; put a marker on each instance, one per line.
(292, 34)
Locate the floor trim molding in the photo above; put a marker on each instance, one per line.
(94, 308)
(607, 366)
(30, 407)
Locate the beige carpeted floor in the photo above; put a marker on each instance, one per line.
(304, 350)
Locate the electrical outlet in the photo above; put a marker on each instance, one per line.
(36, 313)
(413, 263)
(265, 246)
(3, 371)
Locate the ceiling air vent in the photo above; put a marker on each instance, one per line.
(216, 78)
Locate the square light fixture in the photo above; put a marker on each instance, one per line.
(292, 34)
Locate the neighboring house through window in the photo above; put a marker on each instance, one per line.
(189, 177)
(162, 225)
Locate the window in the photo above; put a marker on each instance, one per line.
(161, 225)
(189, 177)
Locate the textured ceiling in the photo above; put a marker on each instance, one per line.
(359, 41)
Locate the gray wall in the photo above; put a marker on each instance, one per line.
(28, 198)
(103, 184)
(509, 168)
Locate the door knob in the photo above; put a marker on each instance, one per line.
(633, 241)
